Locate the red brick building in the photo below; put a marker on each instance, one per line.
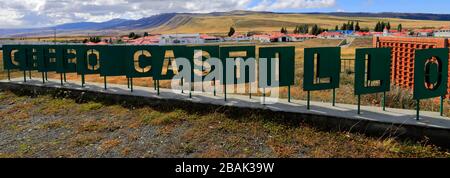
(403, 51)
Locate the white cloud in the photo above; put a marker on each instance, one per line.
(37, 13)
(10, 17)
(271, 5)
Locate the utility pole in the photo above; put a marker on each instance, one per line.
(54, 36)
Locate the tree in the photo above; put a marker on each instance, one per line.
(145, 34)
(132, 35)
(357, 28)
(377, 27)
(337, 28)
(344, 26)
(95, 39)
(283, 30)
(350, 26)
(231, 32)
(388, 26)
(315, 30)
(400, 28)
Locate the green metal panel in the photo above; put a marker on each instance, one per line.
(48, 61)
(210, 52)
(11, 56)
(286, 65)
(139, 60)
(112, 60)
(322, 67)
(33, 53)
(225, 53)
(88, 59)
(430, 75)
(162, 63)
(371, 65)
(66, 59)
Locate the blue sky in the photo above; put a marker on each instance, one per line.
(413, 6)
(39, 13)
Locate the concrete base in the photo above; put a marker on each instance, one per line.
(344, 117)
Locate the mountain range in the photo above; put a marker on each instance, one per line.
(219, 21)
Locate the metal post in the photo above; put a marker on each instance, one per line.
(182, 85)
(308, 101)
(43, 77)
(29, 73)
(264, 96)
(190, 89)
(9, 75)
(24, 76)
(104, 81)
(384, 101)
(441, 108)
(46, 76)
(157, 86)
(82, 80)
(154, 84)
(225, 91)
(131, 84)
(417, 109)
(214, 82)
(128, 82)
(65, 79)
(334, 96)
(61, 77)
(359, 104)
(289, 93)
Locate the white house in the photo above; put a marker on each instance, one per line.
(261, 38)
(181, 39)
(331, 35)
(300, 37)
(442, 33)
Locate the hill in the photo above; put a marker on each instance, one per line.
(412, 16)
(220, 22)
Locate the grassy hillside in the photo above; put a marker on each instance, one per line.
(273, 22)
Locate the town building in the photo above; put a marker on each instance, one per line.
(442, 33)
(331, 35)
(210, 39)
(261, 38)
(168, 39)
(424, 32)
(238, 37)
(279, 37)
(362, 34)
(300, 37)
(146, 40)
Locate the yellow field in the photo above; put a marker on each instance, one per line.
(274, 22)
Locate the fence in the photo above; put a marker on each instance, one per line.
(348, 66)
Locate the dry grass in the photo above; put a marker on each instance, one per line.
(171, 132)
(274, 22)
